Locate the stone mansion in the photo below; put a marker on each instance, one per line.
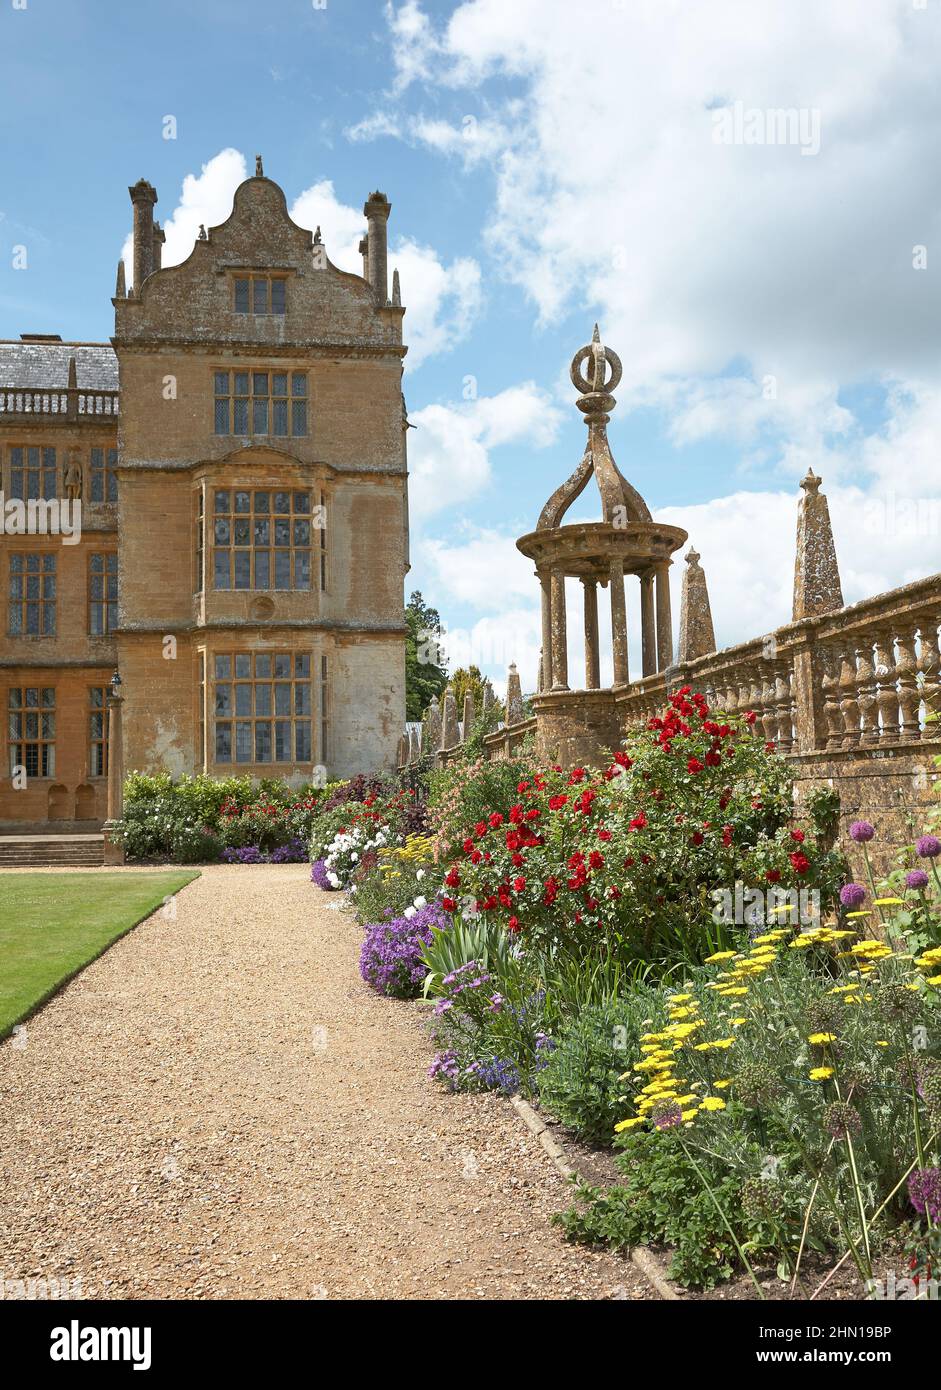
(238, 450)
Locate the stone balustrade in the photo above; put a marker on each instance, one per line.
(69, 403)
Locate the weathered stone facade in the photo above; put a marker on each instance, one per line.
(251, 481)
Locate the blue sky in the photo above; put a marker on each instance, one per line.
(763, 295)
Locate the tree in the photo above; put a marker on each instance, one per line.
(469, 678)
(425, 671)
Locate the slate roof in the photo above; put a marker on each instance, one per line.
(45, 366)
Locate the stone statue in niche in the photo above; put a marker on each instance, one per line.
(73, 476)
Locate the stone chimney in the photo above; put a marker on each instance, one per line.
(697, 637)
(120, 284)
(376, 211)
(160, 237)
(817, 587)
(143, 197)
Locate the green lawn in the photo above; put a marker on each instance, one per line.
(52, 925)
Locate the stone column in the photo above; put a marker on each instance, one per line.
(618, 621)
(546, 583)
(559, 658)
(592, 655)
(432, 738)
(113, 847)
(647, 630)
(664, 618)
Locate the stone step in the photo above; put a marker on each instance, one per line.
(51, 851)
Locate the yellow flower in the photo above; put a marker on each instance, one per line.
(691, 1114)
(712, 1103)
(818, 1038)
(721, 1085)
(737, 1022)
(719, 955)
(934, 979)
(880, 1042)
(861, 913)
(680, 998)
(628, 1124)
(737, 990)
(821, 1073)
(888, 902)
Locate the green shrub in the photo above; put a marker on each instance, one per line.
(580, 1083)
(661, 1200)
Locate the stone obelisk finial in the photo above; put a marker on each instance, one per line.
(514, 696)
(432, 739)
(697, 637)
(449, 730)
(817, 587)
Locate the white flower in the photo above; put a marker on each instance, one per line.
(421, 902)
(420, 875)
(354, 857)
(409, 912)
(333, 880)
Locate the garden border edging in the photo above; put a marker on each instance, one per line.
(640, 1255)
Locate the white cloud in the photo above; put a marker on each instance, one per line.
(206, 198)
(441, 301)
(449, 451)
(705, 258)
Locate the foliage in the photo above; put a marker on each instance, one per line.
(395, 882)
(661, 1200)
(469, 678)
(189, 819)
(627, 860)
(581, 1083)
(817, 1050)
(425, 673)
(391, 956)
(465, 790)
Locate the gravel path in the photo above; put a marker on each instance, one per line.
(219, 1108)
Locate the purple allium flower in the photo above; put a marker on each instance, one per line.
(318, 875)
(924, 1192)
(916, 878)
(928, 846)
(861, 831)
(391, 959)
(852, 894)
(667, 1115)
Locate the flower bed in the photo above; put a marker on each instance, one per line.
(658, 955)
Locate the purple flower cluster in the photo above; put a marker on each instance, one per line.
(924, 1192)
(916, 878)
(445, 1066)
(294, 852)
(498, 1074)
(245, 854)
(861, 831)
(318, 875)
(852, 894)
(928, 847)
(391, 960)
